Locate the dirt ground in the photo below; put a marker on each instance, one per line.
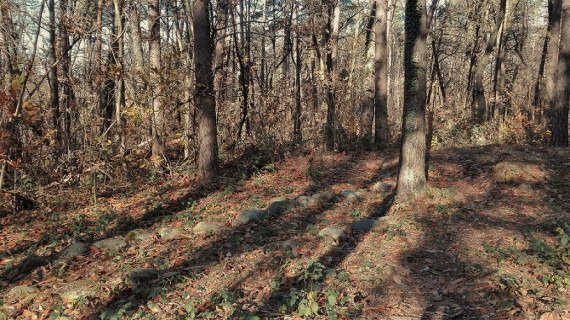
(490, 240)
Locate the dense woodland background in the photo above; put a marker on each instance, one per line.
(89, 83)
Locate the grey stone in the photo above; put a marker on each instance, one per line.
(526, 187)
(248, 215)
(365, 225)
(168, 233)
(74, 292)
(139, 235)
(332, 232)
(281, 206)
(352, 196)
(206, 228)
(74, 250)
(381, 187)
(111, 244)
(306, 201)
(141, 276)
(324, 196)
(21, 293)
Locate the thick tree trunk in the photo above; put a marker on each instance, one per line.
(550, 40)
(561, 102)
(412, 174)
(156, 78)
(553, 53)
(381, 133)
(204, 93)
(332, 52)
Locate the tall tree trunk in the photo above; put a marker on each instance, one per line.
(381, 133)
(551, 71)
(549, 41)
(297, 132)
(561, 102)
(68, 98)
(412, 174)
(287, 12)
(119, 48)
(156, 78)
(332, 52)
(479, 87)
(220, 73)
(54, 81)
(496, 105)
(139, 78)
(99, 62)
(204, 92)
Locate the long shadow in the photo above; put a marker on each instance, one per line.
(204, 257)
(332, 259)
(232, 173)
(447, 280)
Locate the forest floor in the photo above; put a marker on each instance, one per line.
(489, 241)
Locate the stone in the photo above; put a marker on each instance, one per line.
(169, 233)
(111, 244)
(365, 225)
(139, 235)
(74, 250)
(142, 276)
(206, 228)
(306, 201)
(281, 206)
(526, 187)
(248, 215)
(74, 292)
(332, 232)
(324, 196)
(381, 187)
(21, 294)
(351, 196)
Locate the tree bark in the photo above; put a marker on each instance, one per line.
(68, 98)
(119, 48)
(297, 133)
(561, 102)
(332, 52)
(412, 174)
(156, 79)
(54, 81)
(381, 133)
(204, 93)
(479, 88)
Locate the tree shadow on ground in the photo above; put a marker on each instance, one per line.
(299, 221)
(231, 174)
(456, 283)
(330, 260)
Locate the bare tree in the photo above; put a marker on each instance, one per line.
(561, 101)
(204, 92)
(156, 78)
(381, 133)
(412, 173)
